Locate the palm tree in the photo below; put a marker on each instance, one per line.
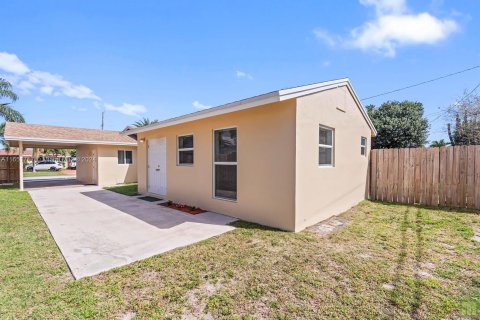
(144, 122)
(7, 112)
(438, 143)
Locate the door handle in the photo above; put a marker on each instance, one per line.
(157, 169)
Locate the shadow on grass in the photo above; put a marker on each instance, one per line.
(240, 224)
(8, 187)
(423, 206)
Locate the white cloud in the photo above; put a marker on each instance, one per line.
(386, 6)
(197, 105)
(10, 63)
(55, 84)
(127, 109)
(47, 83)
(326, 63)
(242, 74)
(325, 37)
(81, 109)
(394, 26)
(50, 84)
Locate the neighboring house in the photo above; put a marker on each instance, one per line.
(14, 152)
(286, 159)
(103, 157)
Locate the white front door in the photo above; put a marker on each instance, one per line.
(157, 166)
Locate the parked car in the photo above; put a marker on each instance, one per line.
(47, 165)
(72, 164)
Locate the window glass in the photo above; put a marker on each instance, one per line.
(363, 146)
(326, 136)
(226, 181)
(325, 147)
(121, 157)
(225, 163)
(226, 145)
(185, 157)
(128, 157)
(185, 142)
(325, 156)
(185, 150)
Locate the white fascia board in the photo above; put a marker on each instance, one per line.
(275, 96)
(70, 142)
(362, 109)
(215, 111)
(312, 87)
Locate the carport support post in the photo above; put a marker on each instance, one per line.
(20, 162)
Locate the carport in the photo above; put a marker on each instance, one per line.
(104, 157)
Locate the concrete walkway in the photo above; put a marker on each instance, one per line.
(97, 230)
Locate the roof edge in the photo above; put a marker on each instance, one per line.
(271, 97)
(66, 141)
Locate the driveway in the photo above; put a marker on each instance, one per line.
(97, 230)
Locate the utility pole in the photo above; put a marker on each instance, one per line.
(103, 113)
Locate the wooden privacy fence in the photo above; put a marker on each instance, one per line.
(9, 169)
(446, 176)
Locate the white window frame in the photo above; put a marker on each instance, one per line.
(222, 163)
(363, 147)
(124, 157)
(326, 146)
(185, 149)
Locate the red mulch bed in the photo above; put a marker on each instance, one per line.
(182, 207)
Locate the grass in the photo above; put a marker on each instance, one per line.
(255, 272)
(43, 173)
(130, 189)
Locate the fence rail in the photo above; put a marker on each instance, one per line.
(446, 176)
(9, 169)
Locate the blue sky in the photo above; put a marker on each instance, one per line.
(69, 60)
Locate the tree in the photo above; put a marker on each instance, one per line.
(438, 143)
(465, 114)
(144, 122)
(7, 112)
(399, 124)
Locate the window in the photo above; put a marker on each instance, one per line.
(363, 146)
(125, 157)
(326, 149)
(225, 164)
(185, 150)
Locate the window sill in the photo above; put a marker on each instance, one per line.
(226, 199)
(184, 165)
(326, 166)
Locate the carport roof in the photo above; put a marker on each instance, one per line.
(34, 135)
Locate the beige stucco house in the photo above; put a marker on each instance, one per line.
(104, 157)
(286, 159)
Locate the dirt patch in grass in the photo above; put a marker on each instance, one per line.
(390, 261)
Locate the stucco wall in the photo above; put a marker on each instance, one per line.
(325, 191)
(86, 168)
(266, 162)
(109, 171)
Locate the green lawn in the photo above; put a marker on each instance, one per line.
(426, 255)
(43, 173)
(130, 189)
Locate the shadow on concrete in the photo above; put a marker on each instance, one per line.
(154, 214)
(50, 183)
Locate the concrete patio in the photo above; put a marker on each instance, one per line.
(97, 230)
